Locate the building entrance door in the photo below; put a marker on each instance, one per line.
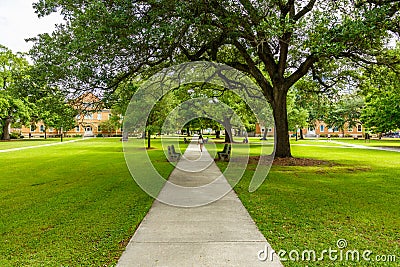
(88, 131)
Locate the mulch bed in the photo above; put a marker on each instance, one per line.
(289, 161)
(301, 162)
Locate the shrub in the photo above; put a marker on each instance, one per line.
(322, 135)
(14, 135)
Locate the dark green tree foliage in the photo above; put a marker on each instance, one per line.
(275, 42)
(14, 105)
(345, 112)
(381, 88)
(310, 95)
(48, 103)
(55, 112)
(297, 115)
(218, 96)
(111, 125)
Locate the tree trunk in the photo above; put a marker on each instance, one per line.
(282, 144)
(228, 136)
(228, 130)
(188, 131)
(301, 134)
(217, 134)
(148, 139)
(45, 133)
(6, 129)
(125, 136)
(265, 134)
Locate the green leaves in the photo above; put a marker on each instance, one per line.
(345, 112)
(382, 95)
(14, 105)
(297, 114)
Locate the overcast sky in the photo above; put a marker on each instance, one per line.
(19, 21)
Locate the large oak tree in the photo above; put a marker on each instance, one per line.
(275, 42)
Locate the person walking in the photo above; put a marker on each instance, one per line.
(201, 142)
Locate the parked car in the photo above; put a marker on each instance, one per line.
(392, 135)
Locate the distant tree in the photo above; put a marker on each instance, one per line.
(381, 89)
(308, 95)
(14, 107)
(345, 112)
(54, 111)
(111, 125)
(297, 115)
(223, 116)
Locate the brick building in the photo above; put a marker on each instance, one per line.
(88, 121)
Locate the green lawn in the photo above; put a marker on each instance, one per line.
(357, 199)
(70, 205)
(76, 204)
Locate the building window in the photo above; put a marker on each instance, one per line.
(33, 128)
(42, 128)
(51, 129)
(77, 128)
(321, 128)
(336, 129)
(89, 116)
(359, 128)
(99, 116)
(99, 128)
(330, 130)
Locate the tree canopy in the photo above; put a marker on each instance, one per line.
(275, 42)
(14, 105)
(345, 112)
(381, 89)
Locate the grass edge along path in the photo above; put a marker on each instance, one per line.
(70, 205)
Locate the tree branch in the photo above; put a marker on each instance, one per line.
(300, 72)
(251, 10)
(305, 10)
(255, 72)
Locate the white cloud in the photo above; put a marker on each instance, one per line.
(18, 22)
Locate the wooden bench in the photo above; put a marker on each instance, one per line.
(225, 153)
(172, 154)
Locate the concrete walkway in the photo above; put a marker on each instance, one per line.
(217, 234)
(367, 147)
(29, 147)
